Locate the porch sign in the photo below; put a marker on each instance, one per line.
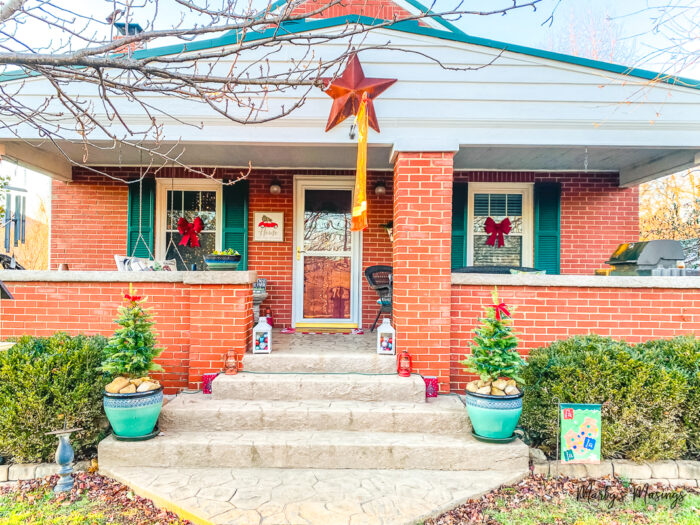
(580, 433)
(269, 226)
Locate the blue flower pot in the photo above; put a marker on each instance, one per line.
(494, 417)
(133, 415)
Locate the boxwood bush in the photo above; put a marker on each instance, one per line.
(683, 355)
(45, 381)
(642, 399)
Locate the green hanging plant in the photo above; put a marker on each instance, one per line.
(494, 350)
(132, 349)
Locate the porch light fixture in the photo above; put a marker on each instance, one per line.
(276, 187)
(380, 189)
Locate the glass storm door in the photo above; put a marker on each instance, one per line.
(326, 266)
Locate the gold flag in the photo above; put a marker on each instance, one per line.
(359, 204)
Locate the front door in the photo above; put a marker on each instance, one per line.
(327, 254)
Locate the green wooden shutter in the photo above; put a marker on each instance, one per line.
(547, 227)
(145, 198)
(459, 225)
(235, 223)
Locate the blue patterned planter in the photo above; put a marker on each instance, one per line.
(494, 417)
(133, 415)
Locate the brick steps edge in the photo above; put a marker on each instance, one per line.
(25, 471)
(672, 472)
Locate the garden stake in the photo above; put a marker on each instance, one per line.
(64, 458)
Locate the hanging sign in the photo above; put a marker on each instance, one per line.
(580, 433)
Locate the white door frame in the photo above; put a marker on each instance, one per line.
(315, 182)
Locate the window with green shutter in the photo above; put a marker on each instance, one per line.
(235, 220)
(141, 211)
(459, 225)
(547, 227)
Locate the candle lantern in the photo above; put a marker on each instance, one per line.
(405, 363)
(231, 365)
(262, 337)
(386, 338)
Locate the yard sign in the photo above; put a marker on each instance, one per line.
(580, 433)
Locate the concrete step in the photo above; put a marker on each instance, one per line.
(188, 412)
(309, 449)
(320, 361)
(292, 387)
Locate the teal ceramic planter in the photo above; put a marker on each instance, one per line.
(133, 415)
(494, 417)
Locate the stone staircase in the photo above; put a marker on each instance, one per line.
(292, 409)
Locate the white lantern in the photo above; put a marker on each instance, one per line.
(386, 338)
(262, 337)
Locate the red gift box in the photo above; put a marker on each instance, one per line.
(431, 386)
(206, 382)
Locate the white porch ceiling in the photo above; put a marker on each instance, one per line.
(635, 165)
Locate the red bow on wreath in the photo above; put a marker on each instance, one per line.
(500, 307)
(189, 231)
(496, 231)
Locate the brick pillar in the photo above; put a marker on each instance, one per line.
(421, 260)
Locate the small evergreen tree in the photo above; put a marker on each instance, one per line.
(132, 348)
(494, 353)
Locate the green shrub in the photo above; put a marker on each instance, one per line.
(683, 355)
(642, 400)
(45, 381)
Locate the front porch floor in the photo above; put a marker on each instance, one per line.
(267, 496)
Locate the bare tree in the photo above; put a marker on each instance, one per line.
(592, 34)
(104, 53)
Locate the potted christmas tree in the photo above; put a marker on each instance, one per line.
(132, 401)
(494, 401)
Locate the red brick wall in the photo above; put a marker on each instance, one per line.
(382, 9)
(596, 214)
(192, 327)
(82, 203)
(422, 241)
(88, 221)
(545, 314)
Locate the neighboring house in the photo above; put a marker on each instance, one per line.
(28, 195)
(558, 144)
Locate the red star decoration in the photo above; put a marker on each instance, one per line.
(347, 91)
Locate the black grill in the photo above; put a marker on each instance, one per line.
(660, 257)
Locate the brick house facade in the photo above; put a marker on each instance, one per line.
(483, 144)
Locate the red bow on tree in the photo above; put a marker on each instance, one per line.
(132, 298)
(500, 307)
(189, 231)
(496, 231)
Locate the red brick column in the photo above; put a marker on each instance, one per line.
(421, 260)
(221, 319)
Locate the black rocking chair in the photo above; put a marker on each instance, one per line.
(380, 279)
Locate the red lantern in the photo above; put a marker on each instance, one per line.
(404, 364)
(231, 366)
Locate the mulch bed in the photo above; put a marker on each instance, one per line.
(123, 506)
(551, 490)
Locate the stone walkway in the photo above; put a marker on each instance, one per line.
(307, 496)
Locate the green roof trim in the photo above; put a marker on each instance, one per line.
(409, 27)
(440, 20)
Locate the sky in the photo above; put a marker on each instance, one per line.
(628, 21)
